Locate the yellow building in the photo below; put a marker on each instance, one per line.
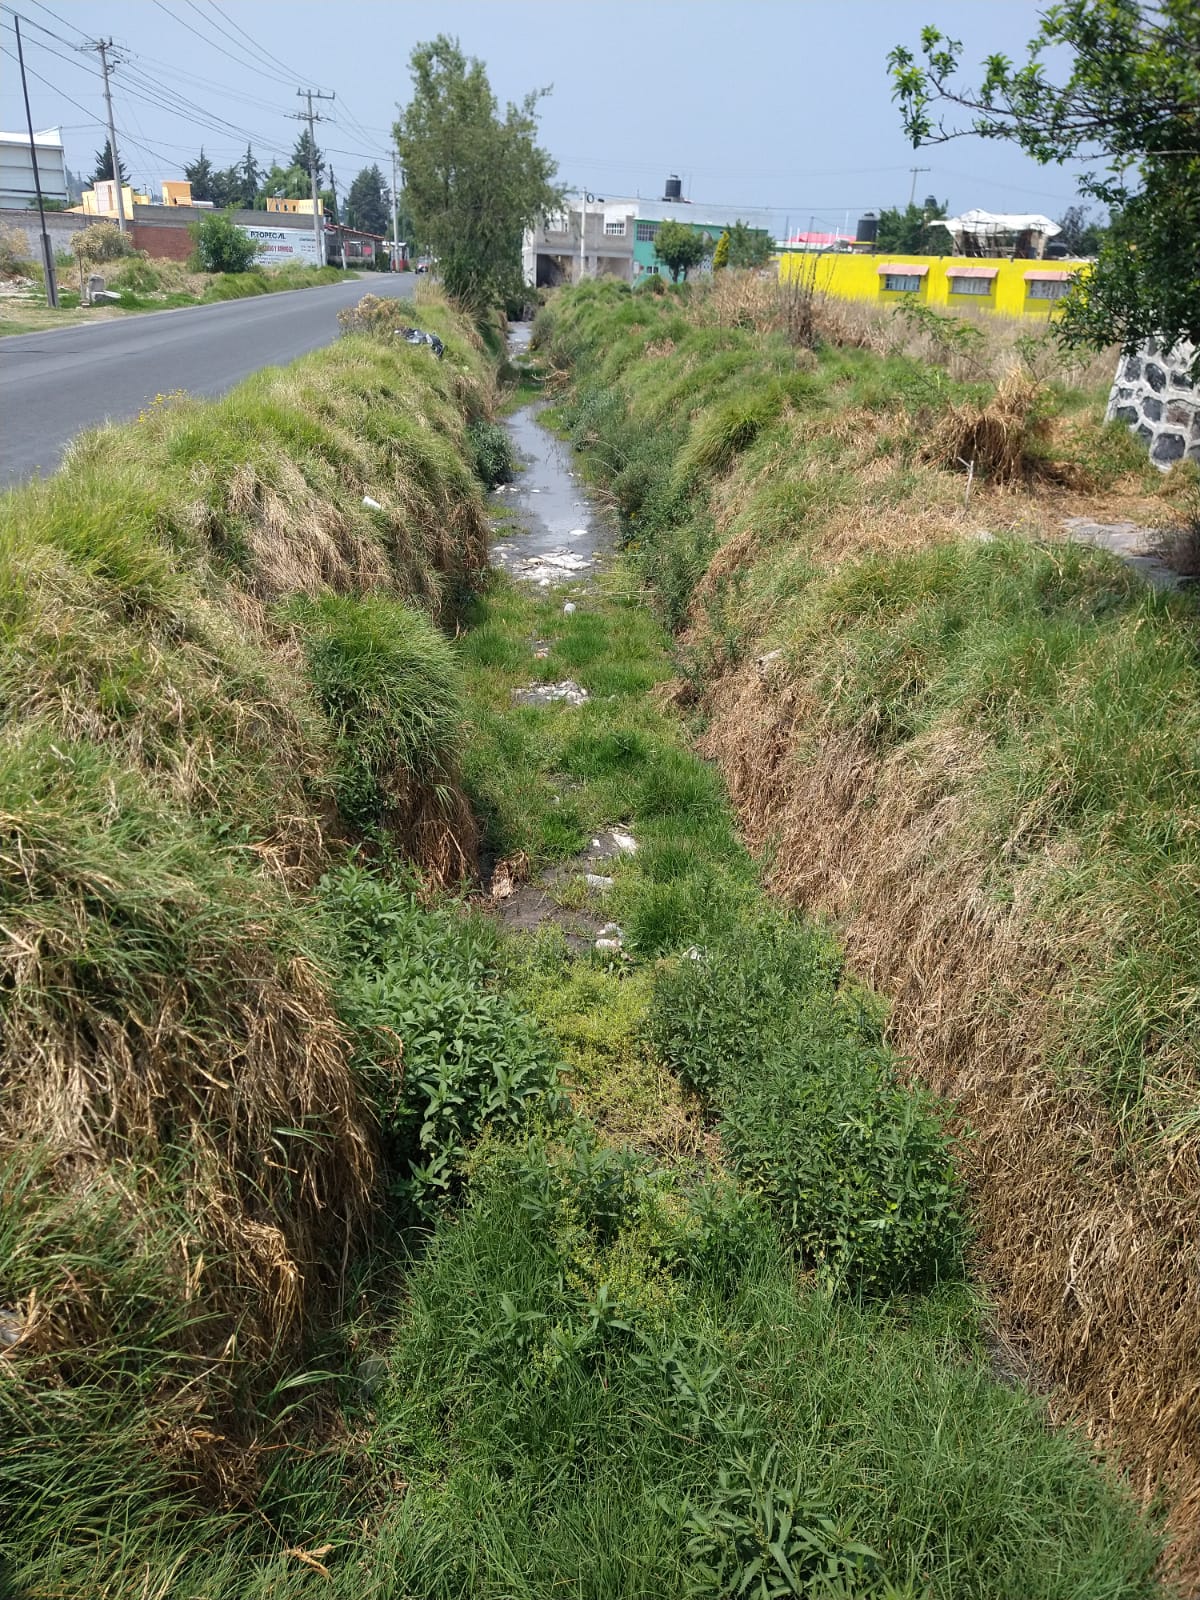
(101, 201)
(300, 208)
(1009, 288)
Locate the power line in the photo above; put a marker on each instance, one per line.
(259, 50)
(211, 43)
(57, 18)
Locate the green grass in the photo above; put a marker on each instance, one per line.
(590, 1348)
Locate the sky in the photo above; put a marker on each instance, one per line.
(777, 104)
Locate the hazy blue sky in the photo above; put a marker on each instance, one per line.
(777, 103)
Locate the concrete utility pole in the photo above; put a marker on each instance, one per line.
(395, 215)
(313, 118)
(912, 193)
(103, 46)
(47, 253)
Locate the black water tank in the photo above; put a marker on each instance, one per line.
(868, 228)
(674, 189)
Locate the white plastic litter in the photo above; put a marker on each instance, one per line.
(569, 609)
(596, 880)
(625, 842)
(374, 504)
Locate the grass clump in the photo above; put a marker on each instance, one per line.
(813, 1117)
(447, 1056)
(386, 679)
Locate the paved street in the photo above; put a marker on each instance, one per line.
(53, 385)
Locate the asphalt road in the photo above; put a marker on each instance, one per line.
(53, 385)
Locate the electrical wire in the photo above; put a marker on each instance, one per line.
(258, 49)
(211, 43)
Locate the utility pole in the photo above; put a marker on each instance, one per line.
(313, 118)
(912, 193)
(47, 253)
(103, 46)
(395, 215)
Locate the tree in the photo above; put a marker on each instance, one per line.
(284, 183)
(1131, 97)
(308, 158)
(721, 253)
(226, 187)
(908, 231)
(246, 178)
(221, 246)
(474, 180)
(680, 248)
(748, 247)
(1078, 233)
(368, 204)
(200, 175)
(104, 166)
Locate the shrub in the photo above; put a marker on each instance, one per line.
(445, 1057)
(221, 246)
(492, 452)
(14, 251)
(854, 1163)
(103, 241)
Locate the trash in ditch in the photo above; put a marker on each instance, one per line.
(418, 336)
(544, 694)
(373, 504)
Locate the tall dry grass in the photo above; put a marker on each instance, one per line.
(173, 781)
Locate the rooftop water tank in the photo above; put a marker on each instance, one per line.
(674, 189)
(868, 228)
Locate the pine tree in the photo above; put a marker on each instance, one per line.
(200, 175)
(104, 166)
(307, 156)
(249, 179)
(369, 201)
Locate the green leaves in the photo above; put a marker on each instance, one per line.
(853, 1163)
(1132, 94)
(445, 1057)
(473, 180)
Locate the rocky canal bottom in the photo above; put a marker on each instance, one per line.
(698, 1320)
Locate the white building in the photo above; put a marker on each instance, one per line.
(619, 237)
(18, 191)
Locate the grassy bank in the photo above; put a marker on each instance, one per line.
(150, 286)
(220, 669)
(965, 739)
(706, 1324)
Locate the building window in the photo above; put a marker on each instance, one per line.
(646, 232)
(902, 282)
(970, 285)
(615, 230)
(1048, 289)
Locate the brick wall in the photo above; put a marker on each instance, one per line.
(169, 241)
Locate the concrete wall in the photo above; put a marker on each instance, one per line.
(1008, 286)
(1154, 393)
(162, 231)
(62, 226)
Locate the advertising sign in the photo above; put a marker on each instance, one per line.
(274, 246)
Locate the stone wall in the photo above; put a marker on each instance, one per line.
(1157, 398)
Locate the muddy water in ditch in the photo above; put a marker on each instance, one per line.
(550, 533)
(547, 533)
